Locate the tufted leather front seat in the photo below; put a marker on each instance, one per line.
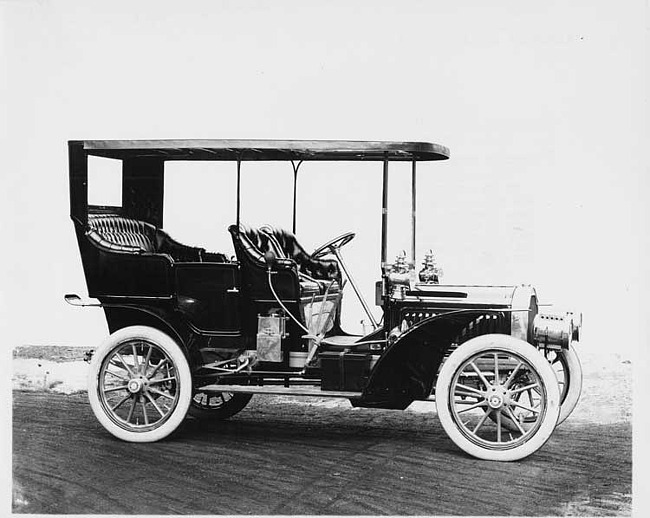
(315, 275)
(132, 236)
(286, 245)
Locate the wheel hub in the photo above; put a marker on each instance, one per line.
(496, 397)
(135, 385)
(495, 401)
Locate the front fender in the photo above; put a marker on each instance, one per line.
(407, 370)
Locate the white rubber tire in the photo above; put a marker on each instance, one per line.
(549, 388)
(575, 383)
(184, 383)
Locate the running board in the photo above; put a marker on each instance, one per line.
(279, 390)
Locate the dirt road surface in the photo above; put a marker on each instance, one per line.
(282, 457)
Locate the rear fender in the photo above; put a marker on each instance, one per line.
(119, 316)
(408, 368)
(123, 314)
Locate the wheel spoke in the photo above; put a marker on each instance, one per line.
(116, 375)
(480, 374)
(119, 364)
(496, 368)
(161, 380)
(160, 393)
(136, 364)
(475, 405)
(120, 402)
(155, 405)
(125, 365)
(530, 397)
(113, 389)
(512, 375)
(514, 419)
(498, 426)
(464, 396)
(525, 407)
(470, 389)
(482, 420)
(523, 389)
(146, 361)
(144, 411)
(133, 401)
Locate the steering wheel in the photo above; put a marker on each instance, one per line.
(333, 244)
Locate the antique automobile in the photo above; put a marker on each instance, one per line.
(199, 332)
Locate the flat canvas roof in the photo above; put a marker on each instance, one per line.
(247, 150)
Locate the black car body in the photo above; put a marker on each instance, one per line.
(268, 321)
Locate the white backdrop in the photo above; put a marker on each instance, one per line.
(543, 105)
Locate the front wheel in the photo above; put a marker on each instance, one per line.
(568, 370)
(482, 379)
(139, 384)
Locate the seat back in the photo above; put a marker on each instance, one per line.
(318, 298)
(288, 246)
(132, 236)
(121, 234)
(250, 246)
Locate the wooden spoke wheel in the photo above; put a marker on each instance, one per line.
(139, 384)
(217, 406)
(478, 398)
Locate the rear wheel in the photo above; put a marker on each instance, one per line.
(139, 384)
(477, 392)
(216, 406)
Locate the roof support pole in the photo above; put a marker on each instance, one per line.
(295, 190)
(413, 207)
(384, 215)
(238, 190)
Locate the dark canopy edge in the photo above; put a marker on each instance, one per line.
(251, 150)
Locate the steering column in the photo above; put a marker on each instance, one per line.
(334, 247)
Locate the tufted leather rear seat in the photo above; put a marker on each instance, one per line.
(132, 236)
(315, 275)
